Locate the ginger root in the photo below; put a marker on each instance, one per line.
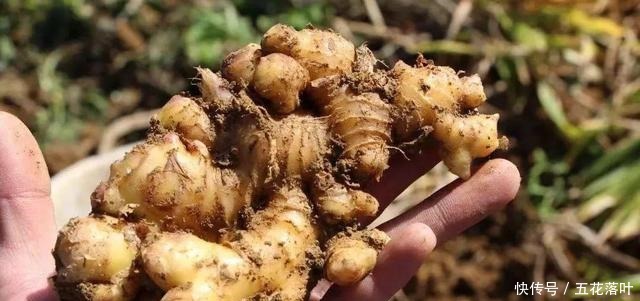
(269, 256)
(97, 255)
(248, 189)
(352, 255)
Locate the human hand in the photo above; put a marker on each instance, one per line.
(27, 229)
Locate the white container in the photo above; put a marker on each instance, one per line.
(72, 187)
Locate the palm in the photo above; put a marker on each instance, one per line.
(27, 230)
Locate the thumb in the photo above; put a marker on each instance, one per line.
(27, 228)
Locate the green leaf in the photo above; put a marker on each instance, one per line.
(635, 96)
(619, 191)
(595, 206)
(552, 106)
(7, 52)
(529, 36)
(624, 222)
(547, 195)
(633, 279)
(594, 25)
(624, 150)
(214, 32)
(297, 17)
(604, 182)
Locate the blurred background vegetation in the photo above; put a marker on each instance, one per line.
(563, 74)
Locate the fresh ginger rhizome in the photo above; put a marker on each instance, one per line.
(248, 189)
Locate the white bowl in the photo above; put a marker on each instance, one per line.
(72, 187)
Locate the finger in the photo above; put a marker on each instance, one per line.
(397, 263)
(400, 174)
(27, 230)
(461, 204)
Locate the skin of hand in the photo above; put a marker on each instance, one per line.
(28, 232)
(27, 227)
